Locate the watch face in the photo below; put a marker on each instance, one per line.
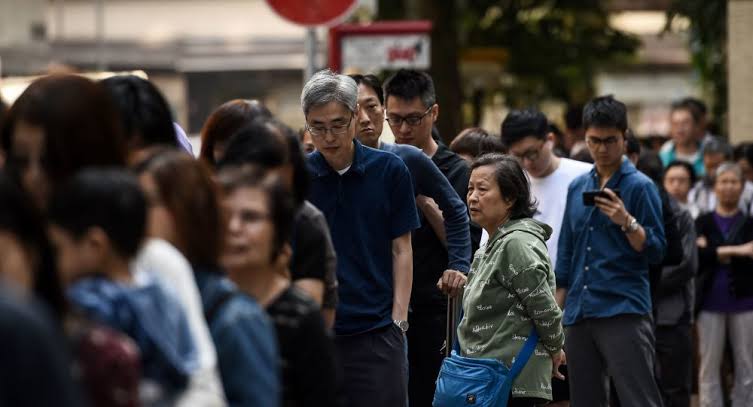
(403, 325)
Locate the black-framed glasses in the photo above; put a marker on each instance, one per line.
(335, 130)
(532, 154)
(606, 141)
(397, 121)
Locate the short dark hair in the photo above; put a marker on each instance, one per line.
(408, 84)
(632, 145)
(186, 188)
(259, 143)
(297, 162)
(695, 107)
(371, 81)
(512, 182)
(605, 112)
(574, 117)
(280, 202)
(718, 146)
(144, 112)
(475, 141)
(650, 164)
(519, 124)
(20, 218)
(107, 198)
(747, 153)
(682, 164)
(225, 121)
(80, 123)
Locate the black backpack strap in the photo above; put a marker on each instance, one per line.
(214, 309)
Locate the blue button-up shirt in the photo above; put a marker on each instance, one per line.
(366, 208)
(604, 275)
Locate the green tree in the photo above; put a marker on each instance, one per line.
(707, 41)
(555, 48)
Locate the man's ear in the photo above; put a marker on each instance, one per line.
(95, 244)
(551, 137)
(434, 113)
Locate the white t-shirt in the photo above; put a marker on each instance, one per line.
(551, 196)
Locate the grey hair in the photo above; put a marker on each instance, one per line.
(729, 166)
(325, 87)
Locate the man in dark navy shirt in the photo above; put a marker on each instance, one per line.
(367, 197)
(602, 268)
(412, 110)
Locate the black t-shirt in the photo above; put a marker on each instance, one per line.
(309, 375)
(313, 252)
(429, 254)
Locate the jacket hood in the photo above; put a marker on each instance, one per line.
(528, 225)
(152, 318)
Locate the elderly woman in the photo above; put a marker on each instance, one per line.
(511, 284)
(724, 290)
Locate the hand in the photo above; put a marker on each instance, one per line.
(613, 207)
(557, 360)
(747, 249)
(451, 282)
(701, 242)
(425, 203)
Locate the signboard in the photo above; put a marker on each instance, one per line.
(379, 46)
(313, 12)
(369, 53)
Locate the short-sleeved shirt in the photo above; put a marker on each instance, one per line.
(313, 253)
(367, 207)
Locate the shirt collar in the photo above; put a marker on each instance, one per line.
(322, 168)
(626, 167)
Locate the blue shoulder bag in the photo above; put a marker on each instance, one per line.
(479, 382)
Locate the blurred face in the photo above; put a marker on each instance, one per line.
(535, 155)
(728, 187)
(682, 128)
(606, 145)
(410, 121)
(16, 264)
(747, 169)
(332, 128)
(74, 257)
(487, 206)
(160, 222)
(249, 238)
(27, 156)
(712, 161)
(307, 142)
(677, 183)
(370, 116)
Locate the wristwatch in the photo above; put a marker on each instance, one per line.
(403, 325)
(631, 227)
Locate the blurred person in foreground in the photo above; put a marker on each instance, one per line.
(98, 220)
(724, 291)
(178, 187)
(511, 285)
(603, 259)
(367, 197)
(257, 256)
(441, 247)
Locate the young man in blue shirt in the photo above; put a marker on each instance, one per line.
(367, 197)
(444, 215)
(604, 253)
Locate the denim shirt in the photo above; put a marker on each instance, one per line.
(604, 275)
(245, 340)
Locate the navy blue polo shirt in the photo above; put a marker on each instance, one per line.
(366, 209)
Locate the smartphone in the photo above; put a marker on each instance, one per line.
(588, 196)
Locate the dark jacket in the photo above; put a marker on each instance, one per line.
(676, 289)
(741, 277)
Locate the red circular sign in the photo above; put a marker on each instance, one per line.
(312, 12)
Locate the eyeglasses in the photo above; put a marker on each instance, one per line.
(335, 130)
(397, 121)
(532, 154)
(606, 141)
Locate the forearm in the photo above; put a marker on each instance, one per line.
(311, 286)
(434, 216)
(402, 275)
(637, 239)
(560, 296)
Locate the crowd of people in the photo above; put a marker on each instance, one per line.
(286, 268)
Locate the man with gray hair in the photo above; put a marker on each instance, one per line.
(368, 200)
(715, 152)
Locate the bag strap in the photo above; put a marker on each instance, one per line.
(525, 353)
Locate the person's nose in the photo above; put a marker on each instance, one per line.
(363, 118)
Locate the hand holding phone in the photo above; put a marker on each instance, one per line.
(588, 196)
